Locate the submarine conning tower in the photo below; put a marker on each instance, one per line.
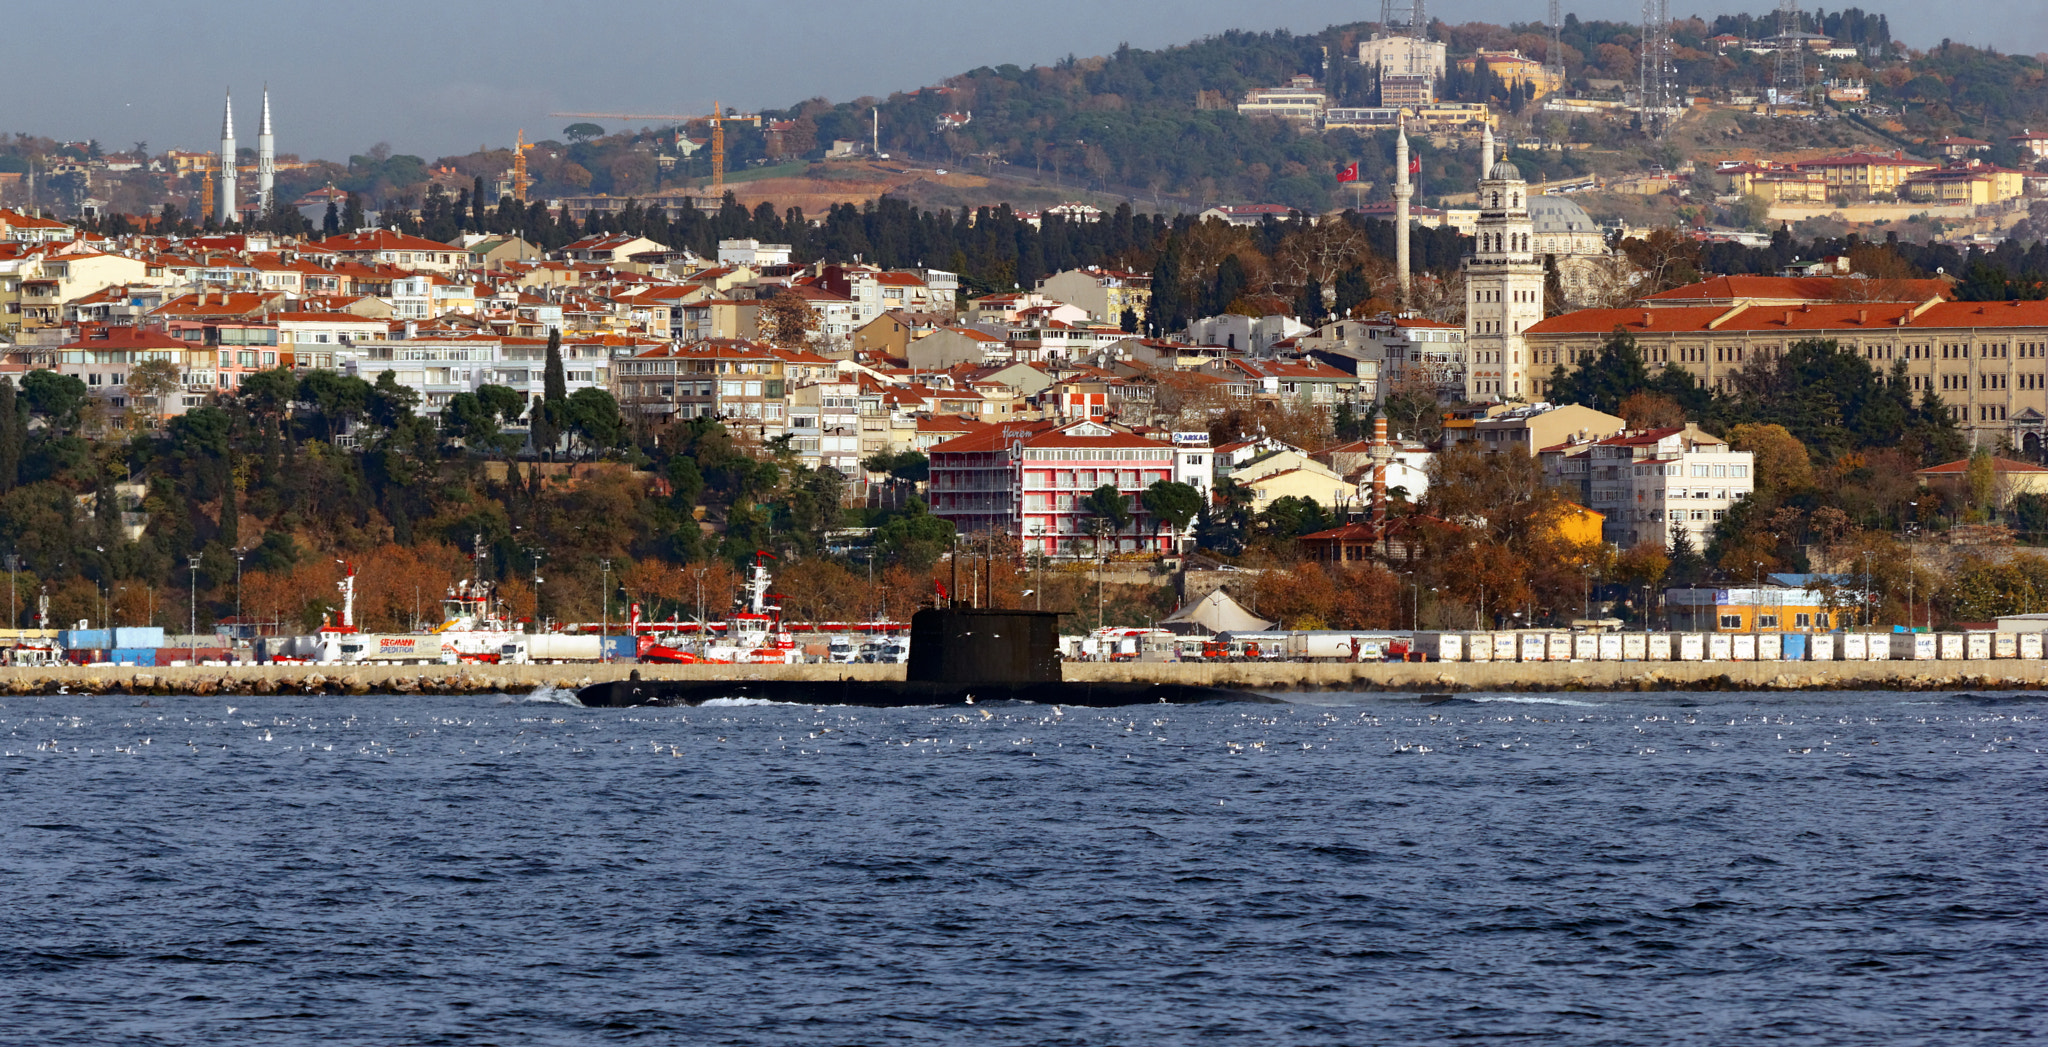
(981, 646)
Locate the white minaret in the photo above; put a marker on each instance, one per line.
(1403, 190)
(1485, 151)
(266, 158)
(1503, 286)
(224, 189)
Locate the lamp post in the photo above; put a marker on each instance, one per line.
(239, 553)
(192, 637)
(535, 553)
(604, 597)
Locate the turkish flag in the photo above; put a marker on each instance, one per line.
(1415, 165)
(1349, 174)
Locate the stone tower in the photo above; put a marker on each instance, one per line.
(1503, 286)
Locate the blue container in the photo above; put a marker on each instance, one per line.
(1795, 647)
(90, 639)
(133, 656)
(128, 637)
(620, 649)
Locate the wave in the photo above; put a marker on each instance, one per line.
(551, 694)
(728, 703)
(1519, 699)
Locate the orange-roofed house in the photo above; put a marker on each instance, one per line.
(739, 381)
(1864, 176)
(382, 246)
(2009, 480)
(105, 357)
(1988, 361)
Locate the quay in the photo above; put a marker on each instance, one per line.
(1271, 678)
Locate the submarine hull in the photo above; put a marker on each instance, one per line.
(891, 695)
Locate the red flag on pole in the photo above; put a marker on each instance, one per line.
(1415, 165)
(1349, 174)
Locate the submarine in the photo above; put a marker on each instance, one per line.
(958, 656)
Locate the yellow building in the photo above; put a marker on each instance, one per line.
(1862, 176)
(1579, 525)
(1976, 184)
(1770, 609)
(2009, 480)
(1778, 184)
(1514, 70)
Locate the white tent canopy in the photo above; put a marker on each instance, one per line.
(1217, 613)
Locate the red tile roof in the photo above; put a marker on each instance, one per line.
(1998, 465)
(1801, 288)
(1846, 318)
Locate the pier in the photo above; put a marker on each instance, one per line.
(1276, 677)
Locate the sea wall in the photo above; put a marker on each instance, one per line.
(1429, 677)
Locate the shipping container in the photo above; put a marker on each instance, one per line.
(1949, 646)
(1794, 646)
(1504, 647)
(2030, 645)
(1610, 647)
(1770, 647)
(1742, 647)
(88, 639)
(551, 648)
(1719, 647)
(1585, 647)
(1635, 646)
(1820, 647)
(2005, 645)
(128, 637)
(1441, 647)
(1855, 647)
(1535, 647)
(1660, 647)
(622, 649)
(1976, 646)
(1914, 647)
(138, 656)
(1479, 647)
(1880, 647)
(1692, 647)
(1560, 647)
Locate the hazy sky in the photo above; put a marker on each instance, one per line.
(435, 77)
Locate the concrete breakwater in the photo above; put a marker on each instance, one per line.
(1413, 677)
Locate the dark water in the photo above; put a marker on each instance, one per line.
(1641, 869)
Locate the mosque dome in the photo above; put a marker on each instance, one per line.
(1555, 214)
(1505, 172)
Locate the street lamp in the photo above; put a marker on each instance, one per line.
(604, 596)
(192, 638)
(239, 553)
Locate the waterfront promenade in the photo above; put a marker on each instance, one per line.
(1430, 677)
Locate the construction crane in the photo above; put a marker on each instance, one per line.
(519, 180)
(717, 119)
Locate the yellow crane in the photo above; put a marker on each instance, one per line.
(519, 180)
(717, 119)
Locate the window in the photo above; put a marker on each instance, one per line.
(1731, 621)
(1821, 621)
(1767, 621)
(1738, 470)
(1802, 621)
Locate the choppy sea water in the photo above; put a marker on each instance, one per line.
(1638, 869)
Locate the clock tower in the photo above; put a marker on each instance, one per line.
(1503, 285)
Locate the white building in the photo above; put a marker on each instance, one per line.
(752, 252)
(1647, 482)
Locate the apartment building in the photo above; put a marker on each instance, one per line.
(1105, 293)
(1647, 482)
(1029, 479)
(741, 382)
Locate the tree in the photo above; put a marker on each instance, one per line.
(913, 537)
(1648, 410)
(56, 398)
(593, 416)
(352, 213)
(1222, 525)
(152, 380)
(330, 225)
(1782, 463)
(547, 421)
(13, 437)
(788, 321)
(909, 466)
(1110, 512)
(582, 131)
(1175, 503)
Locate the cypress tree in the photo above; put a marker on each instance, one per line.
(13, 431)
(554, 399)
(352, 214)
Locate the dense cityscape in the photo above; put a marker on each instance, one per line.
(1488, 295)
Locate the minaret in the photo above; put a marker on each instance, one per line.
(224, 203)
(1485, 151)
(266, 158)
(1402, 191)
(1504, 288)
